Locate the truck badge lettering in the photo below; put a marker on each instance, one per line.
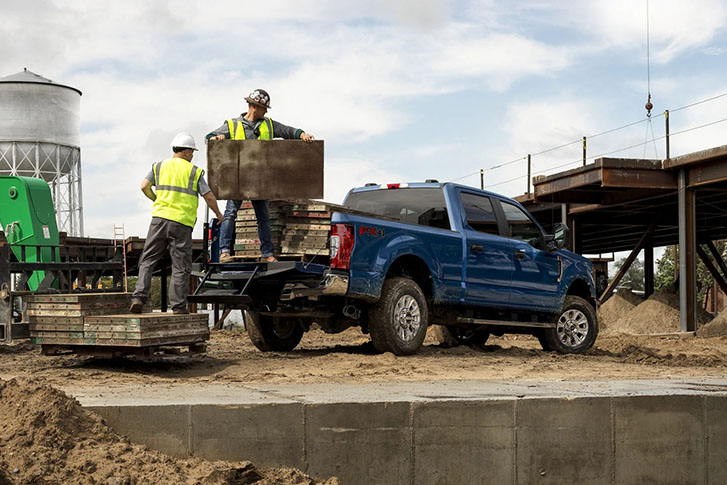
(371, 231)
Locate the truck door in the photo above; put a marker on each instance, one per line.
(488, 255)
(536, 272)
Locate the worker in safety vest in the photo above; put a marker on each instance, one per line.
(178, 183)
(253, 125)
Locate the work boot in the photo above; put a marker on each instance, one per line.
(225, 258)
(137, 306)
(268, 259)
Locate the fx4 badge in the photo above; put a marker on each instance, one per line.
(371, 231)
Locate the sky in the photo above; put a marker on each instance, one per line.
(400, 91)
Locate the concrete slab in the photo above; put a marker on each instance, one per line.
(659, 439)
(549, 431)
(563, 440)
(359, 442)
(716, 421)
(159, 427)
(266, 434)
(464, 442)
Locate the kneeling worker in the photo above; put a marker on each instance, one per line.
(178, 182)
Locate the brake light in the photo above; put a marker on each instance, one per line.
(394, 186)
(342, 239)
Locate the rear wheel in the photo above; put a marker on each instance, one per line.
(575, 329)
(398, 321)
(471, 336)
(273, 333)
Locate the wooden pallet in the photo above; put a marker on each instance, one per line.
(145, 353)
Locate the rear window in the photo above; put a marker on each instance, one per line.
(422, 206)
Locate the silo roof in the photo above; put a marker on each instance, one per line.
(26, 76)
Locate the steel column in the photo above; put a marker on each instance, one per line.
(687, 253)
(648, 270)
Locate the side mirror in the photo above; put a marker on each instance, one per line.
(560, 237)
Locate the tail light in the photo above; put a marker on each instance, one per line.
(342, 239)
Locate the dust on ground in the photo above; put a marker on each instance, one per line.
(47, 437)
(349, 357)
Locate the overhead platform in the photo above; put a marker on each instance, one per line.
(617, 204)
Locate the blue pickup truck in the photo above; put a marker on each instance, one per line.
(407, 256)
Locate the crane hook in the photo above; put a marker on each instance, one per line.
(648, 106)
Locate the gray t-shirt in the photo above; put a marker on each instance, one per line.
(202, 187)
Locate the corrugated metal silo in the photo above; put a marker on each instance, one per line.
(40, 137)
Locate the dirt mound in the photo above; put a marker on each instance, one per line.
(658, 314)
(618, 305)
(715, 328)
(47, 437)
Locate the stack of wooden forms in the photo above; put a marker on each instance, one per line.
(147, 329)
(101, 319)
(298, 229)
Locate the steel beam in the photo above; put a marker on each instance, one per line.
(718, 258)
(627, 264)
(712, 269)
(687, 253)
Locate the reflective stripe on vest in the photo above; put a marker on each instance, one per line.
(237, 130)
(177, 181)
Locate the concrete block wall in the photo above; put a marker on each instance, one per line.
(634, 439)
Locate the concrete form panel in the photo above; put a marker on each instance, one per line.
(464, 442)
(163, 428)
(359, 442)
(268, 435)
(563, 441)
(264, 169)
(659, 440)
(716, 416)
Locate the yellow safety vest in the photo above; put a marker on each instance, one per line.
(237, 132)
(176, 189)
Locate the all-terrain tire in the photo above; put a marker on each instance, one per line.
(271, 334)
(398, 321)
(576, 327)
(475, 336)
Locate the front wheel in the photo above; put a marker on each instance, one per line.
(398, 321)
(273, 333)
(576, 328)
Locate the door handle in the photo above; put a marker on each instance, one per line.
(476, 248)
(520, 254)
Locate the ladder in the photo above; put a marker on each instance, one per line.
(120, 233)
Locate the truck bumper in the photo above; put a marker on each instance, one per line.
(332, 284)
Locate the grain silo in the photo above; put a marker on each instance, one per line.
(40, 137)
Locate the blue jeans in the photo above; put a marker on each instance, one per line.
(264, 233)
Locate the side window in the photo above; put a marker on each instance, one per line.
(479, 213)
(521, 227)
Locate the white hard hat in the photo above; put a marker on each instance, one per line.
(184, 140)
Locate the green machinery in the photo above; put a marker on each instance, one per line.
(28, 218)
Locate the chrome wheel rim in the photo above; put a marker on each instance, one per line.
(572, 327)
(407, 318)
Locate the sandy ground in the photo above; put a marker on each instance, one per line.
(349, 357)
